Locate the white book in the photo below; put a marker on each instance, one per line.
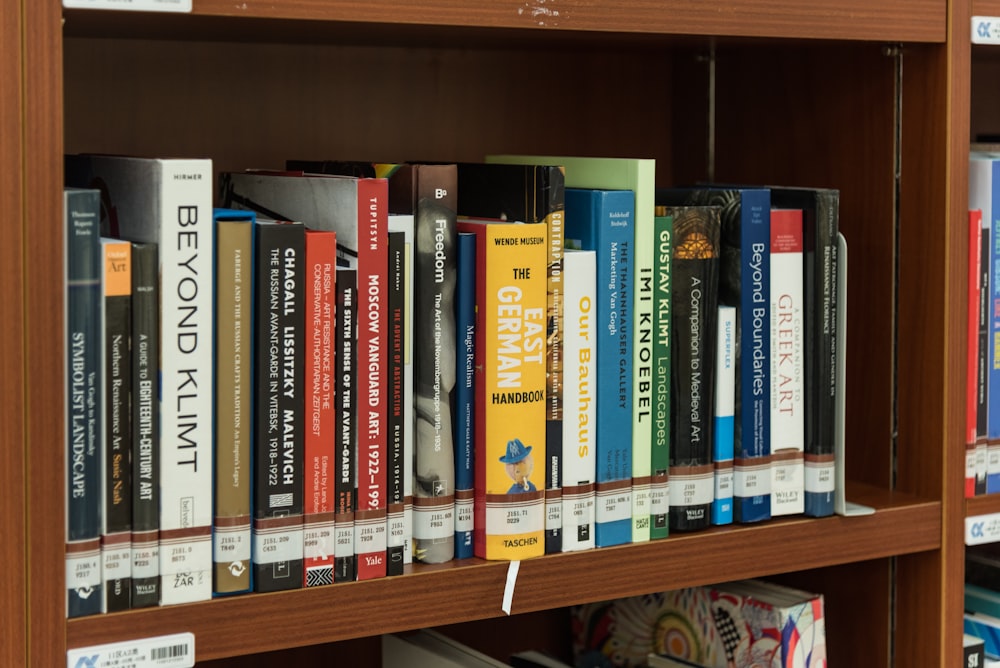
(787, 364)
(169, 202)
(579, 458)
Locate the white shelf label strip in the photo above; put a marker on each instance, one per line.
(173, 651)
(980, 529)
(183, 6)
(986, 29)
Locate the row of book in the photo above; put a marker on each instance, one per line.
(981, 622)
(348, 366)
(982, 401)
(740, 624)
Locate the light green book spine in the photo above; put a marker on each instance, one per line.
(661, 248)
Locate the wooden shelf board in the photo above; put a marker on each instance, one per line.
(894, 21)
(982, 505)
(458, 591)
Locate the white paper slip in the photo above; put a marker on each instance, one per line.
(131, 5)
(986, 29)
(175, 651)
(980, 529)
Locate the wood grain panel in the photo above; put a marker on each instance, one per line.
(43, 331)
(472, 589)
(889, 20)
(12, 487)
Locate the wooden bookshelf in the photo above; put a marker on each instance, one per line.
(806, 95)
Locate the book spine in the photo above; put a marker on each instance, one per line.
(187, 380)
(116, 439)
(346, 436)
(993, 419)
(510, 393)
(820, 261)
(279, 409)
(972, 348)
(373, 342)
(725, 415)
(555, 226)
(752, 470)
(404, 224)
(145, 426)
(787, 364)
(234, 317)
(983, 359)
(579, 400)
(465, 388)
(643, 251)
(659, 426)
(395, 541)
(82, 266)
(435, 235)
(319, 388)
(696, 252)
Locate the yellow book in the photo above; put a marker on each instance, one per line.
(510, 388)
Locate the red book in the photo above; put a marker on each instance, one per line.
(320, 305)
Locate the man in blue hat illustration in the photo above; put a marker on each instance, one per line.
(519, 465)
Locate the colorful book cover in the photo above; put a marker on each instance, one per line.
(278, 404)
(985, 627)
(346, 434)
(234, 373)
(637, 175)
(787, 364)
(169, 202)
(82, 261)
(320, 303)
(663, 248)
(725, 415)
(465, 393)
(695, 267)
(983, 359)
(602, 221)
(820, 220)
(510, 388)
(744, 282)
(116, 432)
(145, 426)
(532, 193)
(356, 209)
(579, 441)
(395, 522)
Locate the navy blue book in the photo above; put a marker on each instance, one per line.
(465, 392)
(744, 280)
(604, 221)
(82, 267)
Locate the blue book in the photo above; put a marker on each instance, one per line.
(982, 600)
(83, 401)
(465, 392)
(725, 407)
(603, 221)
(986, 627)
(984, 190)
(744, 282)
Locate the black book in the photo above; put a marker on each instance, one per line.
(145, 426)
(279, 408)
(116, 320)
(396, 539)
(345, 560)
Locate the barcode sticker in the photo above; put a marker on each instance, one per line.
(175, 651)
(136, 5)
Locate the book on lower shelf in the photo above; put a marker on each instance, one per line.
(740, 624)
(82, 279)
(510, 388)
(169, 202)
(428, 648)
